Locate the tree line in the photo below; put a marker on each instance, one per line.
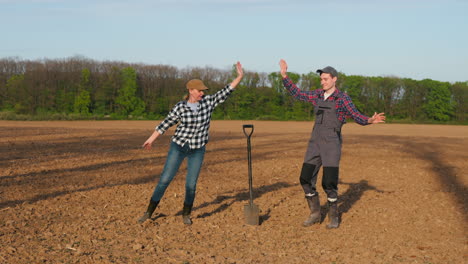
(82, 88)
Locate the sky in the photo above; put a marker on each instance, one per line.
(415, 39)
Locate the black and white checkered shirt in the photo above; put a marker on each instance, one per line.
(193, 127)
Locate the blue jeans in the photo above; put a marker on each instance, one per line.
(175, 157)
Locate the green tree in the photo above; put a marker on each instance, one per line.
(390, 94)
(82, 103)
(438, 105)
(106, 94)
(413, 96)
(371, 89)
(83, 99)
(295, 78)
(460, 99)
(127, 101)
(18, 97)
(244, 101)
(275, 81)
(64, 99)
(352, 85)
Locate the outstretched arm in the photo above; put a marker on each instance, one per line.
(377, 118)
(171, 119)
(150, 140)
(240, 74)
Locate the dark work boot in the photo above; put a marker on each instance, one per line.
(186, 214)
(333, 215)
(151, 207)
(314, 205)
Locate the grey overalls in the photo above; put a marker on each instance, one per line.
(324, 149)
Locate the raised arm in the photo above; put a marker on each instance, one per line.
(283, 68)
(306, 96)
(221, 95)
(240, 74)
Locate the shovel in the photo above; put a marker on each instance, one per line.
(251, 210)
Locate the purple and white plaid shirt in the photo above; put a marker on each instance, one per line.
(193, 127)
(344, 105)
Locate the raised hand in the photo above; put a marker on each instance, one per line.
(240, 71)
(377, 118)
(283, 68)
(240, 74)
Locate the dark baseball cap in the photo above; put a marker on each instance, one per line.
(328, 69)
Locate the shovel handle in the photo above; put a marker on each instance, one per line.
(249, 158)
(251, 131)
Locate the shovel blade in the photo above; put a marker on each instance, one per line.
(252, 214)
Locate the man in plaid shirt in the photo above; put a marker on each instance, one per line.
(189, 140)
(331, 108)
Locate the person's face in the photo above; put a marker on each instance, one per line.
(196, 94)
(327, 81)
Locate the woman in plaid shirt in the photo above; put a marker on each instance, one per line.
(189, 140)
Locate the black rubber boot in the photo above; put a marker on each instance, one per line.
(314, 205)
(308, 178)
(151, 207)
(186, 214)
(333, 215)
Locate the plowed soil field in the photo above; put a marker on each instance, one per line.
(71, 192)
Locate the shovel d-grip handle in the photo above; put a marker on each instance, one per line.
(249, 159)
(251, 131)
